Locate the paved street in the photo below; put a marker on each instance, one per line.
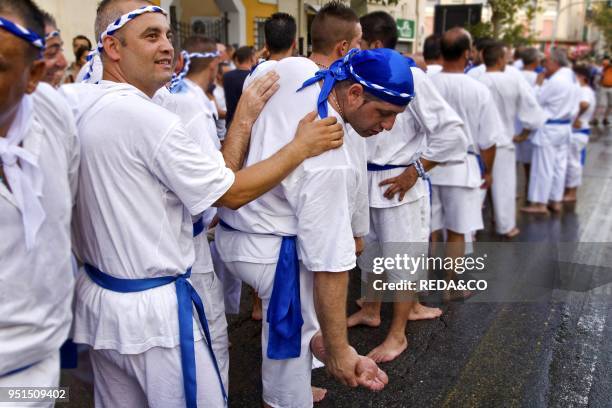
(552, 353)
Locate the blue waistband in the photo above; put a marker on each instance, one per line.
(198, 227)
(583, 131)
(284, 311)
(558, 122)
(187, 298)
(378, 167)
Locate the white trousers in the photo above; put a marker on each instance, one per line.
(547, 178)
(573, 176)
(232, 286)
(286, 383)
(210, 289)
(503, 189)
(403, 229)
(458, 209)
(151, 379)
(46, 373)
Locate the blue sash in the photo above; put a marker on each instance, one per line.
(558, 122)
(481, 164)
(284, 315)
(198, 227)
(378, 167)
(583, 131)
(187, 297)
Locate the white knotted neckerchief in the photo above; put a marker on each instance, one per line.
(22, 172)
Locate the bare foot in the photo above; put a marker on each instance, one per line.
(389, 349)
(318, 393)
(513, 233)
(359, 302)
(421, 312)
(256, 314)
(532, 209)
(362, 318)
(318, 347)
(569, 198)
(555, 207)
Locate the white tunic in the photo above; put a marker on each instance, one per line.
(429, 128)
(474, 104)
(530, 77)
(514, 100)
(219, 94)
(557, 97)
(315, 202)
(36, 286)
(587, 95)
(142, 178)
(433, 69)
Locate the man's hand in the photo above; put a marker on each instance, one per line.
(354, 370)
(400, 184)
(359, 245)
(577, 124)
(314, 137)
(487, 181)
(255, 96)
(519, 138)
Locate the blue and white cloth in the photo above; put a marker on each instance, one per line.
(25, 34)
(177, 79)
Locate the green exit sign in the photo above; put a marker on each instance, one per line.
(405, 29)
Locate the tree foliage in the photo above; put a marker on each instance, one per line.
(601, 16)
(505, 24)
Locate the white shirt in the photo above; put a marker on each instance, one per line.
(557, 97)
(587, 95)
(315, 202)
(433, 69)
(196, 120)
(514, 100)
(530, 77)
(219, 95)
(429, 128)
(474, 104)
(259, 70)
(142, 178)
(36, 286)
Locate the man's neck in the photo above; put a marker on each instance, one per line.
(281, 55)
(322, 60)
(530, 67)
(202, 80)
(7, 119)
(115, 76)
(454, 66)
(496, 68)
(433, 62)
(246, 66)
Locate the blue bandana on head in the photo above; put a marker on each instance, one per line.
(30, 36)
(382, 72)
(177, 79)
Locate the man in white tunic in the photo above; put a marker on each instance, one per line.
(39, 158)
(432, 55)
(456, 191)
(515, 101)
(315, 203)
(557, 96)
(530, 58)
(580, 134)
(141, 184)
(427, 133)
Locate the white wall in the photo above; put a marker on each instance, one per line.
(73, 17)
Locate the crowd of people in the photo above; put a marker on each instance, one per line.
(145, 183)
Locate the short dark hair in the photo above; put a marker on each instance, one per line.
(492, 53)
(431, 47)
(30, 14)
(335, 22)
(379, 25)
(243, 54)
(201, 44)
(107, 12)
(454, 44)
(220, 67)
(482, 42)
(49, 19)
(530, 55)
(82, 50)
(279, 31)
(82, 37)
(583, 70)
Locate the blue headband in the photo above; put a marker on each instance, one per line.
(382, 72)
(113, 28)
(52, 34)
(177, 79)
(30, 36)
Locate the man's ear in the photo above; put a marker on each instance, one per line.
(37, 70)
(111, 48)
(354, 95)
(341, 48)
